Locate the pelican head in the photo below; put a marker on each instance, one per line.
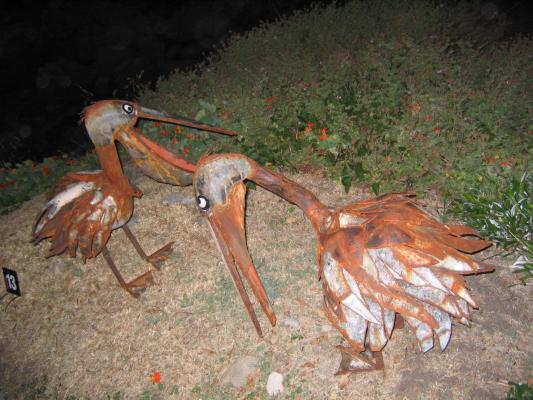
(106, 119)
(220, 196)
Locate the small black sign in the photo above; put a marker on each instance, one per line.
(12, 281)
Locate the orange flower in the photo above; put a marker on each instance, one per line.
(505, 164)
(415, 108)
(324, 137)
(158, 123)
(270, 99)
(429, 117)
(165, 133)
(492, 159)
(174, 140)
(324, 131)
(178, 129)
(156, 377)
(437, 130)
(186, 151)
(46, 170)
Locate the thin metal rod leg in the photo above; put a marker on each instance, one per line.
(116, 272)
(135, 242)
(157, 258)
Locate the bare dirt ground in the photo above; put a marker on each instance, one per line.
(76, 334)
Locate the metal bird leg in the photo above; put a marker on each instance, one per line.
(353, 361)
(157, 257)
(136, 286)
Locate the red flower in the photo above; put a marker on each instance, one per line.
(165, 133)
(270, 99)
(174, 140)
(324, 137)
(158, 123)
(437, 130)
(429, 117)
(415, 108)
(178, 129)
(156, 377)
(186, 151)
(324, 131)
(4, 185)
(505, 164)
(46, 170)
(311, 125)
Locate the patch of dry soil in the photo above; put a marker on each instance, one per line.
(78, 329)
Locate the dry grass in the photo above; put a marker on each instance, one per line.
(75, 326)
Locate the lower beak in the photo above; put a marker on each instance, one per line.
(148, 113)
(155, 149)
(227, 225)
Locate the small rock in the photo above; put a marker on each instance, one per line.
(290, 323)
(520, 264)
(185, 199)
(291, 219)
(238, 372)
(275, 384)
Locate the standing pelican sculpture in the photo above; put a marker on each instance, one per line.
(377, 258)
(86, 206)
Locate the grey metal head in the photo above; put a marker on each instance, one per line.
(216, 175)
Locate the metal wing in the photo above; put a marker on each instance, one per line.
(388, 257)
(80, 214)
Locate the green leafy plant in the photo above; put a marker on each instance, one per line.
(520, 391)
(389, 95)
(500, 207)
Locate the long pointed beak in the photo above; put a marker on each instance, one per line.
(227, 226)
(148, 113)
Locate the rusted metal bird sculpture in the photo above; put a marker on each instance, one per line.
(86, 206)
(377, 258)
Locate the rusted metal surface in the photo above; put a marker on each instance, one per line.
(379, 259)
(85, 207)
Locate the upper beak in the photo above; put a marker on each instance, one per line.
(148, 113)
(227, 226)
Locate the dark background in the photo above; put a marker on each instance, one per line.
(58, 56)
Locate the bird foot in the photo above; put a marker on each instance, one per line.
(353, 361)
(138, 285)
(157, 258)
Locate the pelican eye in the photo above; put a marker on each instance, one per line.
(128, 108)
(202, 202)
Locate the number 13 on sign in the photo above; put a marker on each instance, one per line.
(11, 281)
